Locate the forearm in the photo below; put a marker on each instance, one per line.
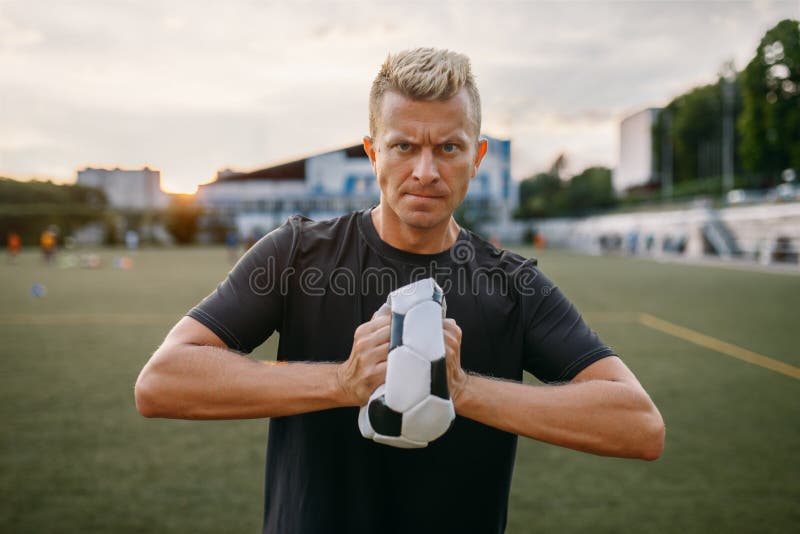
(598, 416)
(204, 382)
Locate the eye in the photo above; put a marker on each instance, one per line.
(449, 148)
(403, 147)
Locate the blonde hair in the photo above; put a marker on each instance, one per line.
(424, 74)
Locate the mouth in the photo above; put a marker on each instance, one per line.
(424, 197)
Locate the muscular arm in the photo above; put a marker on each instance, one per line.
(604, 410)
(193, 375)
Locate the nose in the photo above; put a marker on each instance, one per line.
(425, 169)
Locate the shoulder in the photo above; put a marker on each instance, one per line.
(298, 228)
(487, 255)
(504, 273)
(302, 237)
(311, 233)
(324, 228)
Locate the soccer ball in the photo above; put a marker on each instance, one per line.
(413, 407)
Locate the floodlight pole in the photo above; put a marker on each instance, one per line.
(728, 77)
(666, 153)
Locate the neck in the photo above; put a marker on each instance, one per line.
(410, 239)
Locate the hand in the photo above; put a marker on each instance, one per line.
(456, 376)
(365, 368)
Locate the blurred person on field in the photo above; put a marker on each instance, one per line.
(14, 244)
(132, 239)
(47, 242)
(232, 245)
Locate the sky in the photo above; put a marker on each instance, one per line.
(191, 87)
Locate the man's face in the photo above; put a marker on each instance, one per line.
(424, 154)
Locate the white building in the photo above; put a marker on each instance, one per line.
(332, 183)
(130, 189)
(636, 162)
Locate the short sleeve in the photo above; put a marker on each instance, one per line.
(558, 342)
(247, 306)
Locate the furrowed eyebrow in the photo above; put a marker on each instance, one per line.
(398, 137)
(393, 139)
(453, 138)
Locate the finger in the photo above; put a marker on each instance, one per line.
(378, 377)
(375, 323)
(380, 371)
(452, 346)
(385, 309)
(381, 320)
(450, 326)
(452, 337)
(376, 354)
(381, 335)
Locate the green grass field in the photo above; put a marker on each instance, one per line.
(76, 457)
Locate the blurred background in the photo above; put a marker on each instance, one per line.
(645, 152)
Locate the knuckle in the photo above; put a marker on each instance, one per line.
(384, 333)
(373, 339)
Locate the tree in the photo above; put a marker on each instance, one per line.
(46, 192)
(769, 124)
(183, 217)
(695, 130)
(29, 207)
(589, 190)
(547, 195)
(538, 194)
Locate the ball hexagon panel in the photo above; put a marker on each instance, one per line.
(408, 379)
(422, 330)
(428, 420)
(406, 297)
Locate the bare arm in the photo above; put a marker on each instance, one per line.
(193, 375)
(604, 410)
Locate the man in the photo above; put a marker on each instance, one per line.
(320, 283)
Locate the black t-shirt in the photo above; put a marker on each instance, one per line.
(315, 282)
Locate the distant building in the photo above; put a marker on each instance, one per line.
(129, 189)
(330, 184)
(636, 162)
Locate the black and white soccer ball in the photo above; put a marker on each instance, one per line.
(413, 407)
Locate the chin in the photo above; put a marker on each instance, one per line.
(421, 214)
(422, 219)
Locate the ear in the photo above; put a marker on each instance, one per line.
(369, 148)
(483, 146)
